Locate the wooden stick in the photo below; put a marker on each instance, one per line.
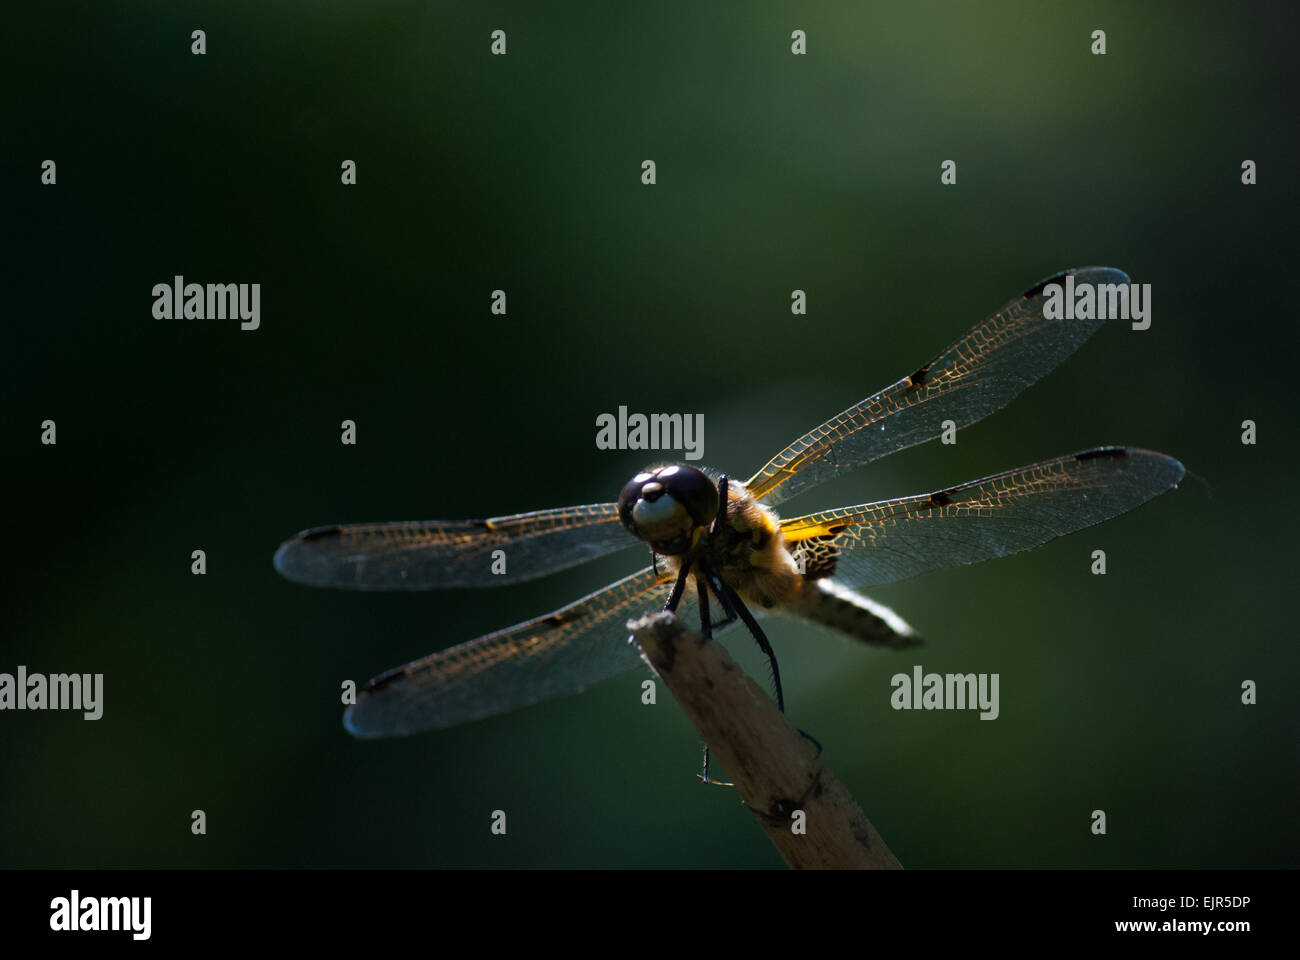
(808, 815)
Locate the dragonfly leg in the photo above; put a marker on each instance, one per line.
(720, 520)
(704, 776)
(729, 595)
(766, 648)
(702, 574)
(675, 597)
(729, 612)
(706, 622)
(811, 739)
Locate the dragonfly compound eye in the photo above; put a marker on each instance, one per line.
(664, 506)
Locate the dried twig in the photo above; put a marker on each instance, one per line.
(776, 769)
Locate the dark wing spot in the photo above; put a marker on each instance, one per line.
(918, 379)
(385, 678)
(836, 530)
(319, 533)
(1036, 290)
(553, 621)
(941, 499)
(1107, 453)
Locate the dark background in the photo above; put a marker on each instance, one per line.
(775, 172)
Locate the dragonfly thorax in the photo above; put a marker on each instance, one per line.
(669, 507)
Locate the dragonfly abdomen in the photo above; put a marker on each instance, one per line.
(831, 604)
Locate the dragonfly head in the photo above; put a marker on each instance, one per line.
(669, 507)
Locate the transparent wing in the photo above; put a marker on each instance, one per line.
(421, 556)
(980, 373)
(542, 658)
(894, 539)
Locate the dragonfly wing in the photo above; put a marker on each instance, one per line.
(895, 539)
(462, 553)
(559, 653)
(980, 373)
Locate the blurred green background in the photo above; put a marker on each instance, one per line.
(522, 172)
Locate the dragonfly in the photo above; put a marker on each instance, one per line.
(714, 538)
